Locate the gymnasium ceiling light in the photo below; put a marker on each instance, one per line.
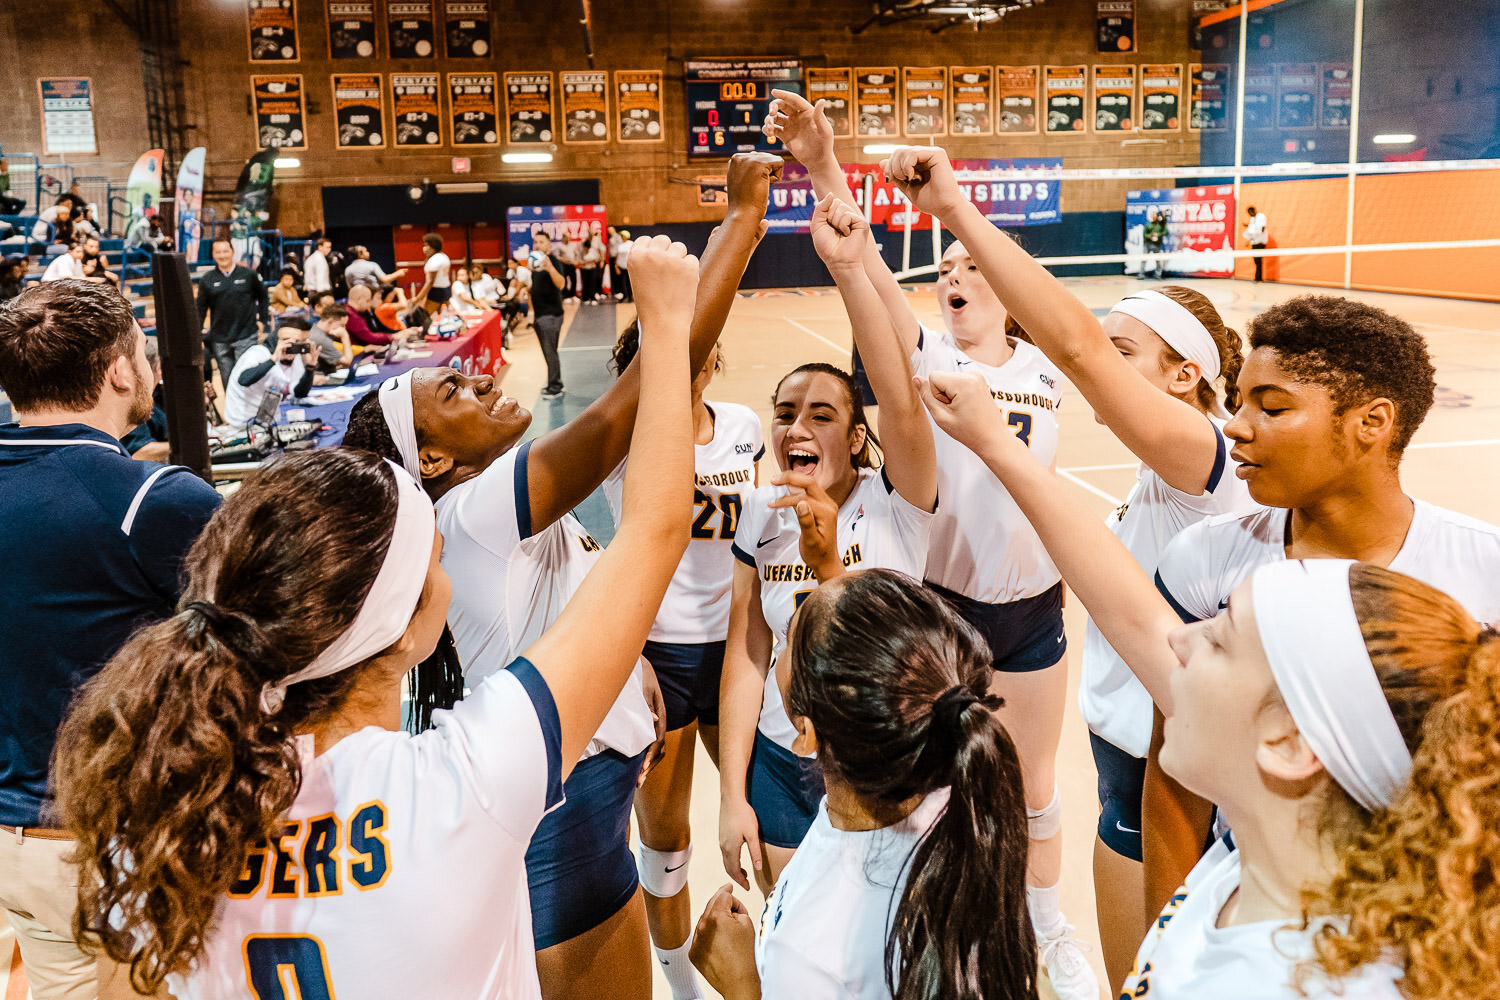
(1394, 139)
(880, 149)
(287, 162)
(941, 14)
(417, 193)
(526, 158)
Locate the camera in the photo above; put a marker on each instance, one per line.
(298, 349)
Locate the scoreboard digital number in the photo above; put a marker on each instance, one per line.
(728, 99)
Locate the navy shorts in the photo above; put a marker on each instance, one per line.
(1024, 635)
(784, 790)
(1122, 776)
(440, 295)
(579, 868)
(689, 677)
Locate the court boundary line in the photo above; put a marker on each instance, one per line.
(814, 333)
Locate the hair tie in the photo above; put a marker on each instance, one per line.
(228, 628)
(948, 710)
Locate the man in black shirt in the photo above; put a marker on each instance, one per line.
(233, 301)
(546, 305)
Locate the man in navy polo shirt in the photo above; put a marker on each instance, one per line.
(92, 545)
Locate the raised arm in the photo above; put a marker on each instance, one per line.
(569, 463)
(804, 129)
(1167, 433)
(1119, 596)
(747, 661)
(842, 238)
(587, 655)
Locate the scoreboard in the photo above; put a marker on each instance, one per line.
(727, 102)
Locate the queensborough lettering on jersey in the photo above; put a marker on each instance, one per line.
(733, 478)
(797, 572)
(1022, 399)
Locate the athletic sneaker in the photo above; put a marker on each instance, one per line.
(551, 393)
(1069, 972)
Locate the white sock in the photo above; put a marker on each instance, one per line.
(1045, 906)
(681, 975)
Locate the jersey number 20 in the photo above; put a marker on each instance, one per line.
(729, 504)
(287, 967)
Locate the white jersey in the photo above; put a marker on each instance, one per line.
(385, 827)
(1456, 554)
(877, 528)
(510, 584)
(1113, 701)
(696, 608)
(982, 545)
(825, 925)
(438, 267)
(1186, 955)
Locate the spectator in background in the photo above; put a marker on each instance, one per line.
(484, 287)
(373, 325)
(613, 249)
(330, 336)
(144, 233)
(232, 303)
(95, 265)
(52, 225)
(364, 271)
(1155, 239)
(316, 275)
(622, 293)
(284, 297)
(474, 291)
(260, 370)
(92, 544)
(66, 265)
(437, 288)
(148, 441)
(9, 205)
(13, 275)
(591, 267)
(547, 283)
(1256, 236)
(567, 258)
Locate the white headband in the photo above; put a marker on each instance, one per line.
(401, 418)
(1183, 332)
(388, 607)
(1311, 636)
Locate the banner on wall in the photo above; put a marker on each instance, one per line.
(67, 114)
(409, 28)
(1196, 13)
(359, 110)
(836, 86)
(1006, 203)
(973, 100)
(143, 187)
(472, 109)
(1338, 95)
(351, 29)
(188, 202)
(1065, 109)
(1208, 97)
(875, 101)
(585, 107)
(1297, 95)
(1018, 100)
(252, 202)
(1260, 97)
(417, 116)
(556, 221)
(926, 91)
(1116, 25)
(639, 106)
(528, 107)
(468, 24)
(273, 30)
(1114, 98)
(1200, 229)
(1161, 98)
(280, 114)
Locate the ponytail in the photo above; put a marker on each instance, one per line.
(1227, 340)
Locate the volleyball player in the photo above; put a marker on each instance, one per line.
(1151, 371)
(246, 813)
(504, 509)
(829, 509)
(686, 649)
(984, 557)
(911, 882)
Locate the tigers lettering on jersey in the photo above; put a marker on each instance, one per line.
(303, 858)
(797, 572)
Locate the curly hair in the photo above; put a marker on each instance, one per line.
(1418, 880)
(1231, 351)
(1356, 352)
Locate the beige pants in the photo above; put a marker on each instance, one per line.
(38, 891)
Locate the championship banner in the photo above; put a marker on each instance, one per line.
(359, 110)
(639, 106)
(351, 29)
(836, 86)
(1116, 25)
(1260, 97)
(468, 24)
(926, 91)
(528, 107)
(273, 30)
(1064, 91)
(471, 109)
(409, 28)
(252, 195)
(1208, 97)
(67, 114)
(875, 101)
(973, 100)
(1018, 100)
(557, 221)
(416, 108)
(585, 107)
(188, 202)
(279, 112)
(1338, 95)
(1161, 98)
(1200, 229)
(1297, 95)
(1197, 11)
(1114, 98)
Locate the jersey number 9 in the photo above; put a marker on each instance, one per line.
(287, 967)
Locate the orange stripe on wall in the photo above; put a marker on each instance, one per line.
(1233, 13)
